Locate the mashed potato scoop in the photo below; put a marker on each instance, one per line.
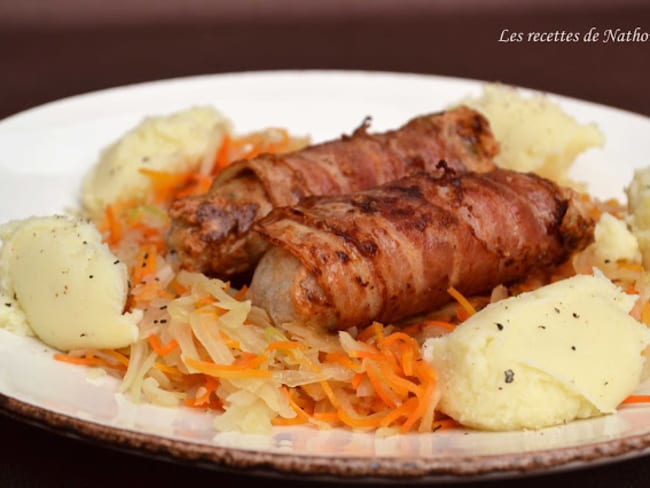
(63, 284)
(181, 141)
(565, 351)
(534, 133)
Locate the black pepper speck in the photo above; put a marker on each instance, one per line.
(509, 375)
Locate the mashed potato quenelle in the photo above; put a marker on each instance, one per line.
(534, 133)
(180, 142)
(63, 284)
(565, 351)
(638, 201)
(614, 241)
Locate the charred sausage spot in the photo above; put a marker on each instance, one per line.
(368, 248)
(400, 213)
(364, 203)
(360, 280)
(218, 221)
(343, 257)
(316, 271)
(422, 222)
(209, 211)
(417, 163)
(411, 191)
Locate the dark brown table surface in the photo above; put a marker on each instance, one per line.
(52, 49)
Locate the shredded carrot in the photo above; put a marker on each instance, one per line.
(356, 380)
(222, 160)
(369, 421)
(282, 421)
(401, 385)
(636, 399)
(241, 293)
(438, 323)
(462, 301)
(114, 227)
(645, 313)
(196, 184)
(230, 342)
(301, 416)
(373, 330)
(177, 288)
(342, 359)
(210, 386)
(230, 370)
(402, 411)
(161, 350)
(144, 293)
(170, 370)
(204, 302)
(630, 266)
(165, 184)
(285, 345)
(87, 360)
(378, 382)
(329, 392)
(329, 417)
(145, 264)
(444, 424)
(119, 357)
(395, 337)
(423, 401)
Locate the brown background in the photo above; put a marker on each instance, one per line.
(53, 49)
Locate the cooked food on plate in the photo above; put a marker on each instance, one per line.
(528, 361)
(393, 251)
(212, 233)
(406, 281)
(178, 143)
(638, 200)
(534, 133)
(65, 285)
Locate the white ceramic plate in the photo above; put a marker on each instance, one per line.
(45, 152)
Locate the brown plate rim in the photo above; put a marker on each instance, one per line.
(348, 468)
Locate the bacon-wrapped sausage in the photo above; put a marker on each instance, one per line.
(393, 251)
(211, 233)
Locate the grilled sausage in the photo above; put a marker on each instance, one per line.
(393, 251)
(211, 233)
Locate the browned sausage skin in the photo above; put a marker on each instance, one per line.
(211, 233)
(393, 251)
